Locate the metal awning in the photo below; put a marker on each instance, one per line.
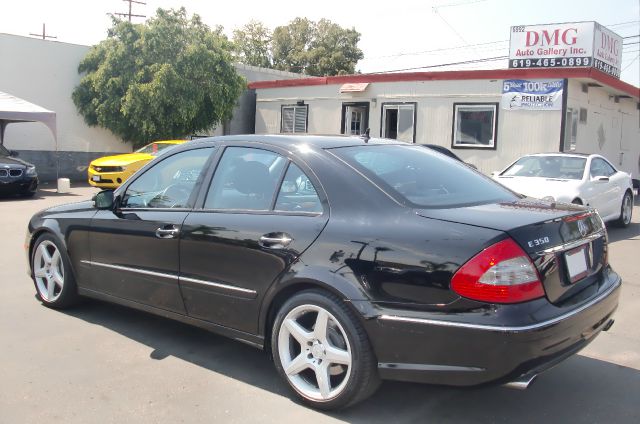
(14, 109)
(357, 87)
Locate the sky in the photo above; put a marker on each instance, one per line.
(401, 35)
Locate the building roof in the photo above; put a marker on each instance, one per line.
(617, 85)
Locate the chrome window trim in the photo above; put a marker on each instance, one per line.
(171, 276)
(504, 329)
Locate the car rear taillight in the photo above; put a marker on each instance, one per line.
(501, 273)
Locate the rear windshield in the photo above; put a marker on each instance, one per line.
(562, 167)
(422, 177)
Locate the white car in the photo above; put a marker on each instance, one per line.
(573, 178)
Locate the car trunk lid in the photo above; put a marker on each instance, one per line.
(567, 243)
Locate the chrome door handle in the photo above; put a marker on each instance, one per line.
(275, 240)
(167, 232)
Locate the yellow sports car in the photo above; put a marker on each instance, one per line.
(111, 171)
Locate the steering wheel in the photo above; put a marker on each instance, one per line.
(174, 196)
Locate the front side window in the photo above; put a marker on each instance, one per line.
(294, 119)
(422, 177)
(245, 179)
(474, 125)
(398, 121)
(169, 183)
(600, 168)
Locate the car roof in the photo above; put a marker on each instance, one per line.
(320, 141)
(572, 154)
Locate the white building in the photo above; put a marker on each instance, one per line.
(461, 110)
(45, 72)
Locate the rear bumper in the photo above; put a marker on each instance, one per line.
(436, 351)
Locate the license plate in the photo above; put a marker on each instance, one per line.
(576, 260)
(95, 178)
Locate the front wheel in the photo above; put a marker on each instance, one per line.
(55, 285)
(322, 351)
(626, 210)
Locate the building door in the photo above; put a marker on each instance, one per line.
(355, 118)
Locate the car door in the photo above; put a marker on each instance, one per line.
(135, 246)
(605, 191)
(259, 213)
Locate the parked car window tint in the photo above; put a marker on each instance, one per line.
(155, 148)
(297, 193)
(245, 179)
(422, 177)
(600, 168)
(169, 183)
(561, 167)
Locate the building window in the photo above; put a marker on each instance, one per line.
(474, 125)
(294, 119)
(570, 130)
(398, 121)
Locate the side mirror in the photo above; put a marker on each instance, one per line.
(13, 153)
(104, 199)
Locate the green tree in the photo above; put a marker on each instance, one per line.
(167, 78)
(252, 44)
(315, 48)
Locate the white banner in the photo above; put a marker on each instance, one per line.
(568, 45)
(607, 51)
(531, 95)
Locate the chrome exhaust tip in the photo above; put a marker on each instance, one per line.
(608, 325)
(522, 382)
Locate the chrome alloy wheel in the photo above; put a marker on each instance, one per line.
(626, 209)
(48, 271)
(314, 352)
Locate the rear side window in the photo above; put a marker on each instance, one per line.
(422, 177)
(245, 179)
(297, 193)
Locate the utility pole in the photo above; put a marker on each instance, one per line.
(130, 14)
(44, 35)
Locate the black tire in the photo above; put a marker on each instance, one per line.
(356, 381)
(64, 296)
(577, 201)
(625, 219)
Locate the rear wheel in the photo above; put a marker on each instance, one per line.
(322, 351)
(55, 285)
(626, 210)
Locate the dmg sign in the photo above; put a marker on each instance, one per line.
(579, 44)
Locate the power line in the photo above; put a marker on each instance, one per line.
(465, 46)
(130, 14)
(631, 63)
(488, 59)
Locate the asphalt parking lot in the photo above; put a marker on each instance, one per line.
(102, 363)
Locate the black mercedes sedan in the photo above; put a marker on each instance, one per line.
(16, 176)
(349, 260)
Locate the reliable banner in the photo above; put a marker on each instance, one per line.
(531, 95)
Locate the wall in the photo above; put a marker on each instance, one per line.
(519, 132)
(45, 73)
(612, 129)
